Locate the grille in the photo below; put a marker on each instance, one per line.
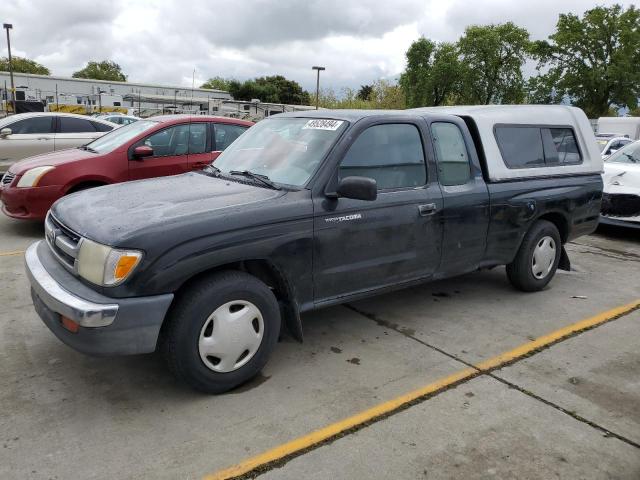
(8, 178)
(620, 205)
(64, 243)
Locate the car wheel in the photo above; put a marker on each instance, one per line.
(537, 259)
(221, 331)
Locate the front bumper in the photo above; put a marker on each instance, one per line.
(28, 203)
(108, 326)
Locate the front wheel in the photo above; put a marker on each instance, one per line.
(221, 331)
(537, 259)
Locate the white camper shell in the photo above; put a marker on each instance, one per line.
(622, 126)
(494, 124)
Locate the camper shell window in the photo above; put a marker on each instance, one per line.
(533, 146)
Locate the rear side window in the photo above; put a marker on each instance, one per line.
(32, 125)
(560, 146)
(451, 153)
(101, 127)
(225, 135)
(197, 138)
(521, 147)
(391, 154)
(75, 125)
(533, 146)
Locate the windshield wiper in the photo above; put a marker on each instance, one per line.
(630, 157)
(256, 176)
(213, 170)
(88, 149)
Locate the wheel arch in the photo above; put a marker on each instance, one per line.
(560, 221)
(267, 272)
(84, 183)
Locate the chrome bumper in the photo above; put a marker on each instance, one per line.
(54, 296)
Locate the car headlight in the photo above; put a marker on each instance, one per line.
(104, 265)
(31, 177)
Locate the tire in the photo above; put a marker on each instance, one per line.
(529, 274)
(210, 337)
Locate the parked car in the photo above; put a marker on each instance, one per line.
(611, 142)
(149, 148)
(119, 119)
(27, 134)
(307, 210)
(621, 198)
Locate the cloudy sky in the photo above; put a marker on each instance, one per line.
(163, 41)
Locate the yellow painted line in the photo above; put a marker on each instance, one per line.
(9, 254)
(318, 436)
(548, 339)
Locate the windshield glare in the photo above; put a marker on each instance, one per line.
(287, 150)
(115, 138)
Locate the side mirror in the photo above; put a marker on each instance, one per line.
(358, 188)
(5, 132)
(142, 151)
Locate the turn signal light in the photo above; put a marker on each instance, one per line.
(124, 266)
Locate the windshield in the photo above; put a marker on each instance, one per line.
(287, 150)
(627, 154)
(114, 139)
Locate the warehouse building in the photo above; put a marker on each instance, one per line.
(86, 96)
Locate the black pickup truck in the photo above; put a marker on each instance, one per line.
(307, 210)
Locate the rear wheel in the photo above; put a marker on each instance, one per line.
(537, 259)
(221, 331)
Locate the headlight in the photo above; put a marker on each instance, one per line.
(33, 176)
(105, 265)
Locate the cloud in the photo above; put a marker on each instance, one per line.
(163, 41)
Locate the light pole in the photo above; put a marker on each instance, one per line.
(318, 69)
(175, 101)
(7, 27)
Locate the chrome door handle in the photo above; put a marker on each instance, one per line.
(427, 209)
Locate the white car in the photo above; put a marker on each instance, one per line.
(27, 134)
(119, 119)
(610, 143)
(621, 195)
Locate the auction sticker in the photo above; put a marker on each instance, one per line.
(323, 124)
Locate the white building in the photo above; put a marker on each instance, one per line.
(84, 95)
(79, 95)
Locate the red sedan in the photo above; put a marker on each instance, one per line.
(155, 147)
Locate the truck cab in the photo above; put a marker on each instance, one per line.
(306, 210)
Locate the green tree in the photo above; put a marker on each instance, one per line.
(219, 83)
(384, 95)
(492, 57)
(595, 59)
(365, 92)
(105, 70)
(273, 89)
(23, 65)
(542, 89)
(432, 76)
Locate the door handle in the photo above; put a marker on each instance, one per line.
(427, 209)
(43, 138)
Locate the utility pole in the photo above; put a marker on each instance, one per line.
(318, 69)
(7, 27)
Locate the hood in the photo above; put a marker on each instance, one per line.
(115, 214)
(621, 178)
(54, 158)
